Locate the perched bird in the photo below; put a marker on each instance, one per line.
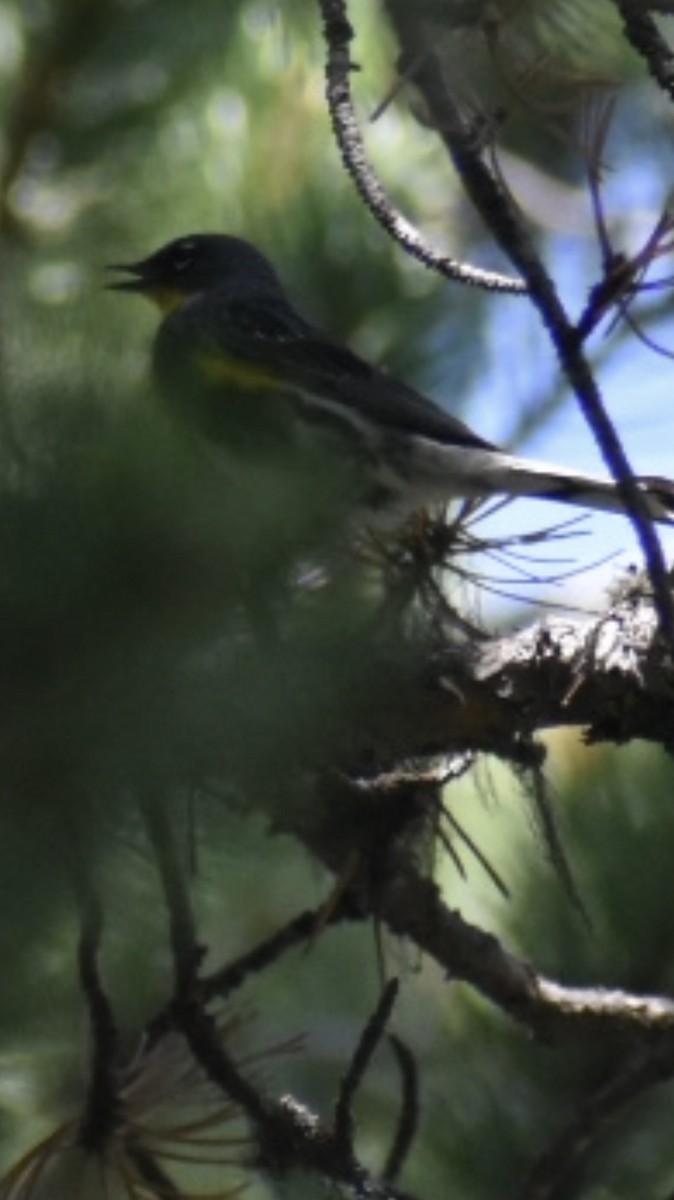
(244, 368)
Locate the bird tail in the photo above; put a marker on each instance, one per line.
(482, 471)
(545, 482)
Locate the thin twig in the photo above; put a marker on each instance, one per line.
(300, 929)
(409, 1109)
(187, 952)
(101, 1109)
(370, 1039)
(643, 34)
(189, 1016)
(338, 37)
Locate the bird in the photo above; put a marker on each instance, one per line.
(242, 367)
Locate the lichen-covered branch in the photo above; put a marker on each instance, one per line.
(338, 36)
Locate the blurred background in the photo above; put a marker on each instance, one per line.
(126, 123)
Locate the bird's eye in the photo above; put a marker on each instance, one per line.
(183, 256)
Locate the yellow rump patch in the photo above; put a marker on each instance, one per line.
(222, 368)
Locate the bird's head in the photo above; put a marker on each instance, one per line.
(197, 263)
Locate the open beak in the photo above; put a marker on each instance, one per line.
(139, 281)
(145, 279)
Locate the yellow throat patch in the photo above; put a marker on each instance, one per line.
(166, 299)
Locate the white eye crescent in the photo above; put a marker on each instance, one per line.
(183, 256)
